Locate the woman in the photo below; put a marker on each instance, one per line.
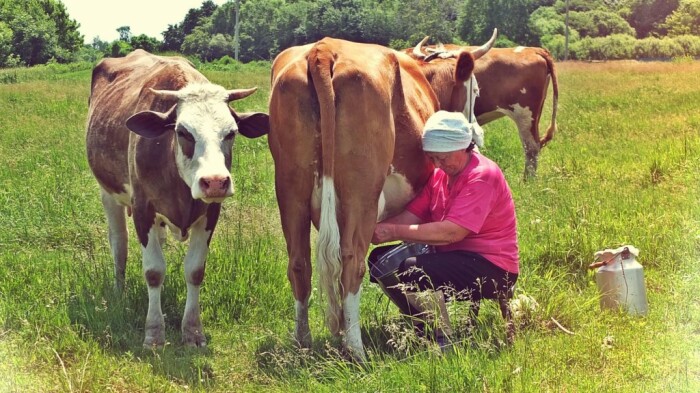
(466, 211)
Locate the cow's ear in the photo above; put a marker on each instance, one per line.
(150, 124)
(253, 124)
(465, 66)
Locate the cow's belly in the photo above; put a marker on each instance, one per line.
(396, 193)
(484, 118)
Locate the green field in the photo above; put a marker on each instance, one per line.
(624, 168)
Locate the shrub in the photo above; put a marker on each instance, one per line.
(690, 44)
(657, 48)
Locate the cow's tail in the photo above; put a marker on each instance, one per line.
(328, 258)
(555, 98)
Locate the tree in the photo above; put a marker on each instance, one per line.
(220, 45)
(98, 44)
(124, 33)
(259, 29)
(173, 37)
(41, 31)
(647, 16)
(684, 20)
(144, 42)
(511, 17)
(69, 38)
(195, 16)
(599, 23)
(197, 43)
(119, 48)
(418, 18)
(6, 37)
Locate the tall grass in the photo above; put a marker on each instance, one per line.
(624, 168)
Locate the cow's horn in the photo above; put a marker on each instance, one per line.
(165, 93)
(480, 51)
(240, 93)
(416, 50)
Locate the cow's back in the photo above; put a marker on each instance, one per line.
(527, 81)
(119, 89)
(381, 100)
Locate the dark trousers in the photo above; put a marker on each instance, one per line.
(461, 275)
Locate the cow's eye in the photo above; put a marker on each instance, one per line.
(230, 136)
(185, 135)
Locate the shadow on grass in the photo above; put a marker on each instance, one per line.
(116, 322)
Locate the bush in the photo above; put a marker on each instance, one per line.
(657, 48)
(119, 49)
(690, 44)
(226, 60)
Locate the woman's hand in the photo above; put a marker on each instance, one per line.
(384, 233)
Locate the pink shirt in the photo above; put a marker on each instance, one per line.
(480, 201)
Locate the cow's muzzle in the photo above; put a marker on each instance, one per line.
(215, 188)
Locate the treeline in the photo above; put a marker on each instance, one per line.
(39, 31)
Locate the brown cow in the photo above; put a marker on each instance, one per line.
(171, 169)
(514, 83)
(345, 134)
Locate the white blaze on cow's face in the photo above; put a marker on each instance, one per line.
(471, 87)
(205, 130)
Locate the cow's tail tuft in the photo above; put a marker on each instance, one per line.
(328, 259)
(555, 98)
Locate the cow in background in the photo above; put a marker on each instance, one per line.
(346, 122)
(159, 141)
(514, 83)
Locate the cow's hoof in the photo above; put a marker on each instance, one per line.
(152, 342)
(194, 338)
(304, 341)
(155, 336)
(302, 335)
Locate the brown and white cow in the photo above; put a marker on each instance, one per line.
(159, 141)
(345, 134)
(514, 83)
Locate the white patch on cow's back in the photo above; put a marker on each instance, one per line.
(523, 91)
(396, 193)
(519, 49)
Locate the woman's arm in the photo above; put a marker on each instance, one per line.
(405, 218)
(433, 233)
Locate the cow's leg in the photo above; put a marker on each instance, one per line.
(192, 331)
(358, 220)
(154, 272)
(296, 224)
(118, 236)
(353, 271)
(529, 137)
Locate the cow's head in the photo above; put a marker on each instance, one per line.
(205, 127)
(457, 92)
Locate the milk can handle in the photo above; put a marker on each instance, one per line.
(625, 255)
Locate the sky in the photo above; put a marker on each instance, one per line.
(151, 17)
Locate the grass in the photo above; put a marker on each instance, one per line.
(624, 168)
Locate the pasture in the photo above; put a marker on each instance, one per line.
(624, 168)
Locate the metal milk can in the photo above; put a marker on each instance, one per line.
(620, 280)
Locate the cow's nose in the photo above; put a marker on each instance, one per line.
(215, 186)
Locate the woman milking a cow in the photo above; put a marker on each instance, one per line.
(458, 234)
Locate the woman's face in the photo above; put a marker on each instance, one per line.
(452, 163)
